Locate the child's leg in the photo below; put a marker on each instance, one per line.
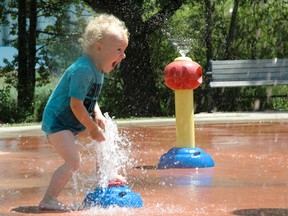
(64, 143)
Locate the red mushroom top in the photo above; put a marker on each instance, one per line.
(183, 73)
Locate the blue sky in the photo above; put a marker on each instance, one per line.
(8, 53)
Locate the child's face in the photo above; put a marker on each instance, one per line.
(111, 52)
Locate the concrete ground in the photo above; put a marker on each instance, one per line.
(249, 177)
(201, 118)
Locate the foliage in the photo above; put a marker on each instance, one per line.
(7, 106)
(57, 39)
(111, 97)
(56, 47)
(261, 31)
(42, 94)
(257, 30)
(265, 28)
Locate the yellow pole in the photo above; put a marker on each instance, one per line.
(184, 107)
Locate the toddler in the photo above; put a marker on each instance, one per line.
(73, 107)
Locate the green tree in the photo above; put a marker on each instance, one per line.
(213, 29)
(260, 32)
(37, 46)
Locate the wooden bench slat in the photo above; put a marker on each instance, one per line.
(271, 62)
(251, 70)
(248, 83)
(247, 67)
(250, 64)
(247, 77)
(258, 76)
(283, 65)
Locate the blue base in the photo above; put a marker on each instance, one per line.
(121, 196)
(185, 158)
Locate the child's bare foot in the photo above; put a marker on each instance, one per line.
(54, 205)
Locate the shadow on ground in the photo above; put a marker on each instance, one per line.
(147, 167)
(262, 212)
(33, 210)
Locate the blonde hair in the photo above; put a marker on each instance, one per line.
(100, 26)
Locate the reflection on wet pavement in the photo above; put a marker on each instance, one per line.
(249, 177)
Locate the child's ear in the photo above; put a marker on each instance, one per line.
(98, 47)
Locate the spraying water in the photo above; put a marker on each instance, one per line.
(113, 155)
(181, 43)
(105, 159)
(182, 46)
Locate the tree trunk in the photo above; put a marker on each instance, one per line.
(209, 51)
(32, 54)
(22, 89)
(208, 30)
(232, 30)
(26, 57)
(141, 95)
(142, 98)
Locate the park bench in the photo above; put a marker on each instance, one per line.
(244, 73)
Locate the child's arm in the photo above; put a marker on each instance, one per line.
(82, 115)
(99, 118)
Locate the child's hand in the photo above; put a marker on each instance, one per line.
(97, 135)
(101, 121)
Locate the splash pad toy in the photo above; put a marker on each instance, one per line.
(111, 158)
(183, 76)
(116, 194)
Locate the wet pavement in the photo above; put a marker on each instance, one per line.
(249, 177)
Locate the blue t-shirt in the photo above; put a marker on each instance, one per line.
(82, 80)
